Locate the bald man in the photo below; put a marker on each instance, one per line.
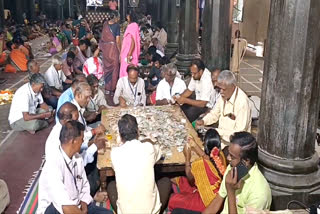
(130, 90)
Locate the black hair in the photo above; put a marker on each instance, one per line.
(71, 55)
(199, 63)
(211, 139)
(132, 67)
(70, 131)
(82, 42)
(66, 115)
(9, 45)
(133, 16)
(18, 41)
(157, 57)
(152, 50)
(92, 79)
(88, 43)
(113, 14)
(248, 144)
(128, 127)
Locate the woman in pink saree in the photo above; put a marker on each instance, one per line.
(130, 50)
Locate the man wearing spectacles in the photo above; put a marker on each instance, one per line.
(232, 110)
(201, 84)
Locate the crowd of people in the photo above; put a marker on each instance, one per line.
(100, 71)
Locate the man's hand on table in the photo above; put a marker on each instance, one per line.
(199, 123)
(180, 100)
(100, 142)
(100, 130)
(84, 207)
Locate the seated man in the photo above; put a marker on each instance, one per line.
(201, 84)
(135, 190)
(55, 77)
(232, 110)
(68, 95)
(155, 42)
(63, 184)
(237, 195)
(97, 100)
(24, 112)
(130, 90)
(216, 92)
(67, 66)
(169, 86)
(154, 76)
(66, 113)
(50, 95)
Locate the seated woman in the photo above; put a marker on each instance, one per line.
(17, 59)
(203, 176)
(54, 46)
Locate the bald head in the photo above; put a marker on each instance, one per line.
(67, 112)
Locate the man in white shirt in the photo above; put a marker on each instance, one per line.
(69, 112)
(24, 112)
(232, 109)
(55, 76)
(135, 189)
(201, 84)
(63, 184)
(130, 90)
(169, 86)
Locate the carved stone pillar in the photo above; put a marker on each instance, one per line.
(188, 35)
(216, 35)
(290, 102)
(173, 29)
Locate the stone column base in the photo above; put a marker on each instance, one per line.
(184, 61)
(171, 48)
(291, 179)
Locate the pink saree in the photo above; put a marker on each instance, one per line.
(132, 30)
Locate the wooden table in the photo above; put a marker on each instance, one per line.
(175, 163)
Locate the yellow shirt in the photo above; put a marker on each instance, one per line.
(238, 105)
(255, 192)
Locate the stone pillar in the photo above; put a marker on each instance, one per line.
(173, 30)
(290, 102)
(123, 9)
(1, 13)
(164, 14)
(188, 35)
(216, 34)
(18, 11)
(32, 10)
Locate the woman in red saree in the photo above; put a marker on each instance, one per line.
(130, 50)
(203, 176)
(109, 44)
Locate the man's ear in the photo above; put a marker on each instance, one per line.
(247, 162)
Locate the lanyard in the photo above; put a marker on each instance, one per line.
(74, 178)
(83, 120)
(135, 92)
(94, 105)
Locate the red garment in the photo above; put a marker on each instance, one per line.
(110, 58)
(189, 197)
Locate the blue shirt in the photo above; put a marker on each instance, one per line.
(66, 96)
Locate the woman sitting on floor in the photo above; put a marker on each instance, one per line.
(54, 46)
(203, 176)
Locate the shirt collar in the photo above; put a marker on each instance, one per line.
(31, 90)
(251, 173)
(233, 97)
(74, 101)
(65, 156)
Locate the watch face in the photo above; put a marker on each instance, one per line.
(134, 3)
